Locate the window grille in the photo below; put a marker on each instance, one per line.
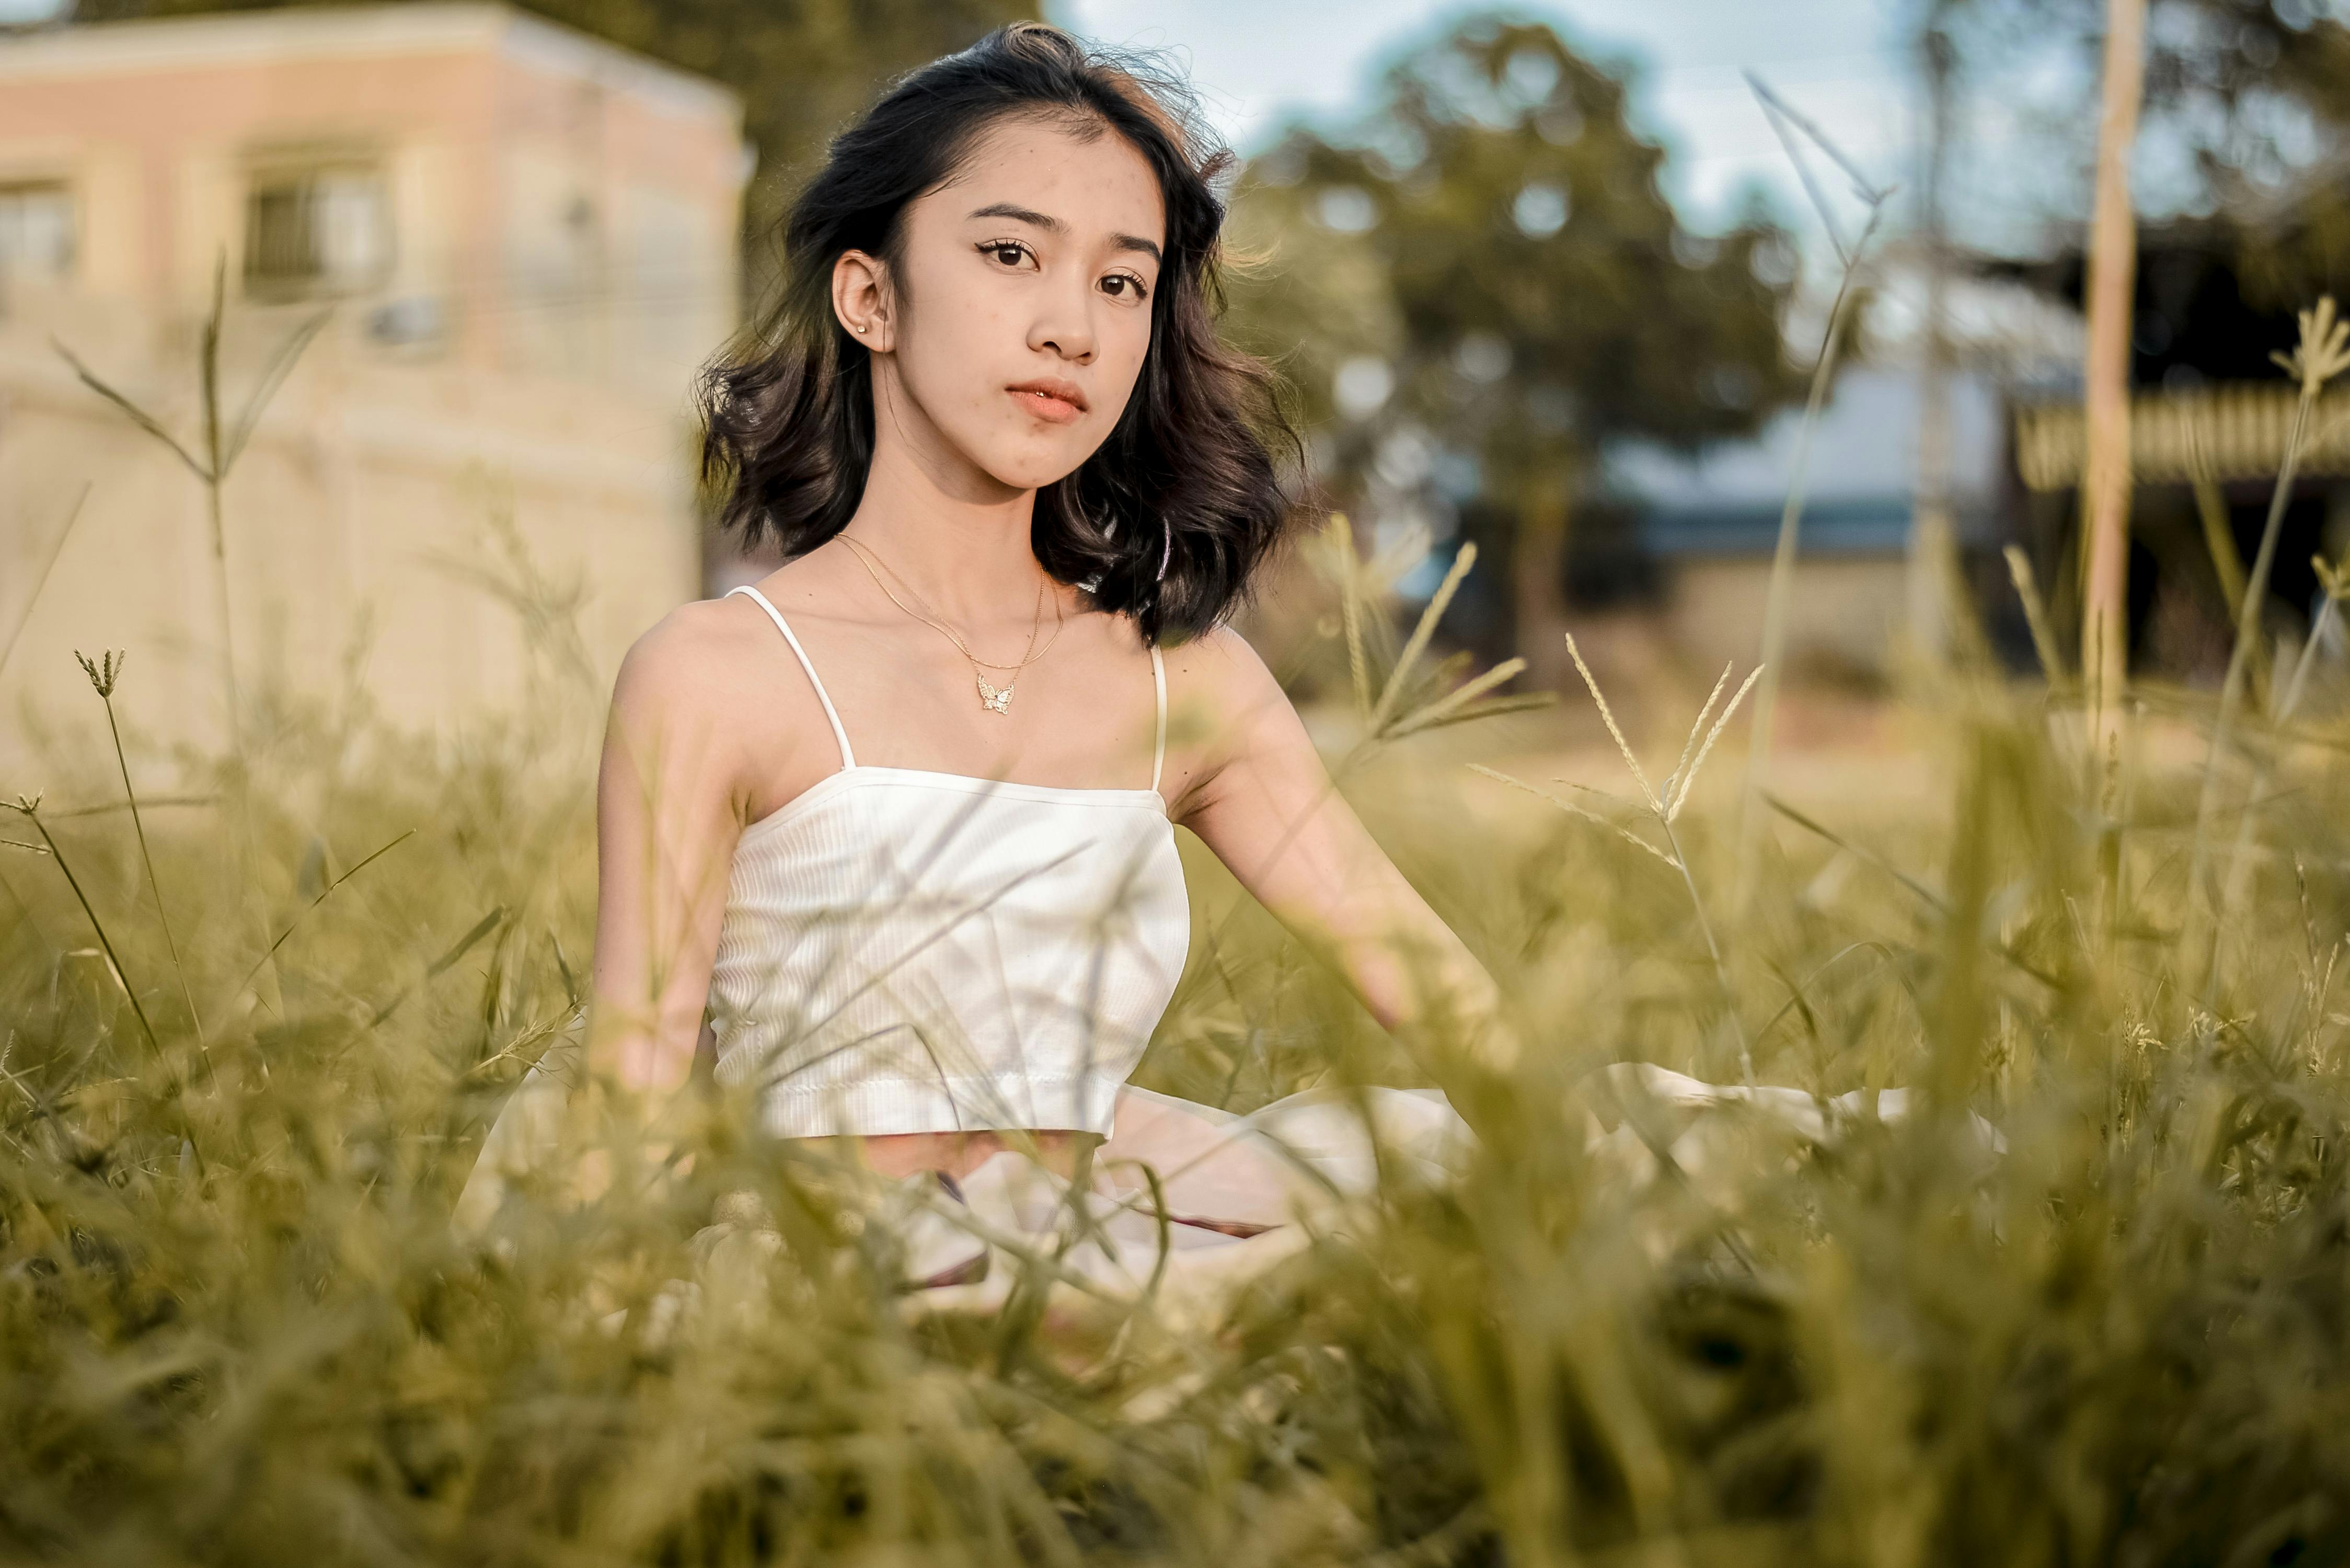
(36, 233)
(317, 231)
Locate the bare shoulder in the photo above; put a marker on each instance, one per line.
(710, 688)
(1227, 711)
(685, 663)
(1220, 670)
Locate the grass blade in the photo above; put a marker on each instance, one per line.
(2035, 616)
(1712, 736)
(1418, 642)
(42, 581)
(130, 410)
(1697, 727)
(281, 364)
(1607, 716)
(31, 813)
(364, 863)
(102, 676)
(1618, 828)
(442, 964)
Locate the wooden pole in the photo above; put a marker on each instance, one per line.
(2105, 477)
(1933, 546)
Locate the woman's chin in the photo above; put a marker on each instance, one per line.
(1032, 471)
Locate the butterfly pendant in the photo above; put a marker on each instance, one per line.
(995, 698)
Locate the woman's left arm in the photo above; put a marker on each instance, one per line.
(1257, 792)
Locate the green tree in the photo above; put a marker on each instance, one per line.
(1479, 286)
(803, 67)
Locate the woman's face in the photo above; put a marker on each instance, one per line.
(1018, 322)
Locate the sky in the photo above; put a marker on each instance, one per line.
(1259, 63)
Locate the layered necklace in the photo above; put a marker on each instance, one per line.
(994, 697)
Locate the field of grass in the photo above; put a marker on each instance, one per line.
(235, 1327)
(2085, 1299)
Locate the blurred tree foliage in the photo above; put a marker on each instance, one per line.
(803, 66)
(1479, 286)
(2247, 108)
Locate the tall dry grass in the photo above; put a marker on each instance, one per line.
(235, 1328)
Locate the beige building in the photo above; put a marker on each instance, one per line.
(522, 240)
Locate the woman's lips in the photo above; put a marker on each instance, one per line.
(1056, 402)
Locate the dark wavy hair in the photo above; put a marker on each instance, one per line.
(1169, 519)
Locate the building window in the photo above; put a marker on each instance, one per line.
(317, 231)
(36, 233)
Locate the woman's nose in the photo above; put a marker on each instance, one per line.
(1067, 329)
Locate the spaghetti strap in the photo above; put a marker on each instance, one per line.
(848, 757)
(1158, 742)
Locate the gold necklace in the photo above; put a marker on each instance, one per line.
(865, 556)
(994, 697)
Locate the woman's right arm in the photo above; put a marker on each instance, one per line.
(670, 805)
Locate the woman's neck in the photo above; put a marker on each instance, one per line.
(956, 535)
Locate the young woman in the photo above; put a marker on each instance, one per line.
(898, 818)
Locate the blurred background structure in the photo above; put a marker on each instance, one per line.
(1545, 280)
(522, 239)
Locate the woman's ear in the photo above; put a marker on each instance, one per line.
(861, 298)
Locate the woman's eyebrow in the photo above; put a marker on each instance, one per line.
(1052, 225)
(1020, 214)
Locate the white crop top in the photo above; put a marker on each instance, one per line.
(909, 952)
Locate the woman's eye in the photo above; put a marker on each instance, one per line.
(1008, 253)
(1123, 285)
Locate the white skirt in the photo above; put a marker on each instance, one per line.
(1186, 1203)
(1231, 1185)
